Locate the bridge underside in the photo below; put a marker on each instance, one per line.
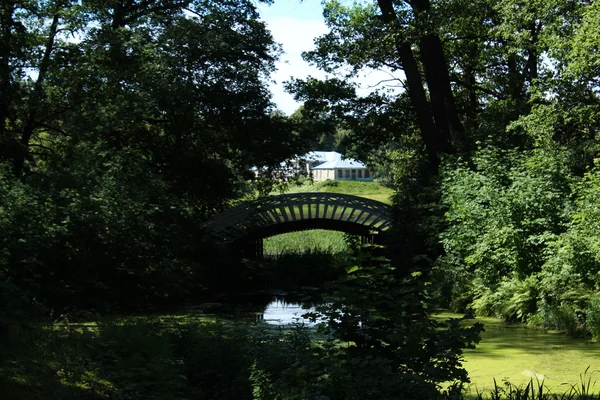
(244, 226)
(252, 246)
(304, 225)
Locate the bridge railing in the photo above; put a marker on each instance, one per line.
(295, 207)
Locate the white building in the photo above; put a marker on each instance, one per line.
(347, 169)
(315, 158)
(322, 165)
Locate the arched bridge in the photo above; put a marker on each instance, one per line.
(252, 221)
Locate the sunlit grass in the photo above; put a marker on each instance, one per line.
(370, 190)
(311, 240)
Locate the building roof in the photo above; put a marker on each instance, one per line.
(322, 156)
(346, 163)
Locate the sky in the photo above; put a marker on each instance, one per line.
(295, 24)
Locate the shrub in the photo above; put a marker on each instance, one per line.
(216, 358)
(503, 211)
(565, 317)
(592, 320)
(381, 343)
(514, 299)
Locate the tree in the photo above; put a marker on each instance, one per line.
(468, 68)
(127, 123)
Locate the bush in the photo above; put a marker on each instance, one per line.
(514, 300)
(592, 316)
(217, 358)
(381, 343)
(565, 317)
(138, 361)
(504, 210)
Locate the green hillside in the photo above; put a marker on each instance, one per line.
(369, 190)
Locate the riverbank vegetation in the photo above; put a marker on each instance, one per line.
(125, 124)
(534, 242)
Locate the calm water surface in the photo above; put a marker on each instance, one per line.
(519, 353)
(513, 352)
(280, 312)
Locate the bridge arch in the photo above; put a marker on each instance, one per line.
(250, 222)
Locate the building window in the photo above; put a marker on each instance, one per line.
(347, 174)
(340, 173)
(360, 173)
(353, 174)
(366, 173)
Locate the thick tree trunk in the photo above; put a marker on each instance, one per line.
(437, 91)
(6, 22)
(418, 98)
(35, 99)
(438, 80)
(471, 82)
(515, 79)
(416, 91)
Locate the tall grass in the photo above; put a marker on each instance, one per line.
(292, 270)
(305, 241)
(537, 390)
(143, 360)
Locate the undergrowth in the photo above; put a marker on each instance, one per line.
(192, 359)
(537, 390)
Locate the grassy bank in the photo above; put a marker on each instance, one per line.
(370, 190)
(207, 356)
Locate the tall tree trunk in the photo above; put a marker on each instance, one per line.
(437, 92)
(416, 91)
(515, 84)
(117, 56)
(36, 98)
(7, 9)
(471, 81)
(438, 80)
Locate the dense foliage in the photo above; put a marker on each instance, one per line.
(501, 115)
(119, 133)
(194, 358)
(125, 123)
(380, 342)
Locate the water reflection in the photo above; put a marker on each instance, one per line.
(280, 312)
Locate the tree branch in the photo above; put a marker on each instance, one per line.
(454, 78)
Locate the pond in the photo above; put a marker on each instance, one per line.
(513, 352)
(518, 353)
